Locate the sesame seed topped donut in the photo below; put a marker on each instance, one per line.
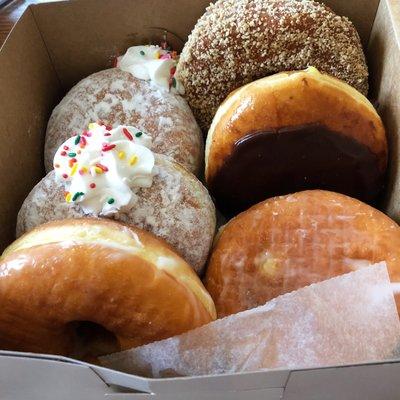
(238, 41)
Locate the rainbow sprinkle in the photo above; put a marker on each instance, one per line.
(68, 197)
(121, 155)
(108, 147)
(133, 160)
(102, 167)
(127, 133)
(110, 200)
(77, 195)
(74, 169)
(138, 134)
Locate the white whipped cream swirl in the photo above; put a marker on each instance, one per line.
(154, 64)
(101, 168)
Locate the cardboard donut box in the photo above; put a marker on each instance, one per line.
(52, 47)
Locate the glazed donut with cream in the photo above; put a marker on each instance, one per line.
(288, 242)
(238, 41)
(290, 132)
(121, 279)
(112, 173)
(141, 91)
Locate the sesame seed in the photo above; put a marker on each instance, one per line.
(237, 41)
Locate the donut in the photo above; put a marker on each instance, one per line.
(294, 131)
(115, 97)
(120, 279)
(169, 201)
(238, 41)
(288, 242)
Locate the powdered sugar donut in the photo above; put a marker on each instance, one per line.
(238, 41)
(116, 97)
(176, 207)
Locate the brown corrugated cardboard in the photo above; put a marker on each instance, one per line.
(82, 35)
(51, 48)
(384, 59)
(29, 88)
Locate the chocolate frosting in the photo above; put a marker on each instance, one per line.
(286, 160)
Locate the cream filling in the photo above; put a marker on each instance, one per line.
(128, 242)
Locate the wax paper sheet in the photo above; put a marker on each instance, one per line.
(348, 319)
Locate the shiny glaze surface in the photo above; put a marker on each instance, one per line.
(287, 160)
(124, 280)
(289, 242)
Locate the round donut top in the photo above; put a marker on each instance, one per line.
(176, 208)
(237, 41)
(288, 242)
(116, 97)
(289, 99)
(123, 238)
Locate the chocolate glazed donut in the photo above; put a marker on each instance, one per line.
(304, 131)
(303, 157)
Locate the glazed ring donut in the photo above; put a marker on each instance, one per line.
(238, 41)
(177, 208)
(121, 278)
(289, 242)
(115, 97)
(290, 132)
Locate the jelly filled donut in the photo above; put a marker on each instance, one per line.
(238, 41)
(115, 177)
(69, 274)
(132, 94)
(290, 132)
(289, 242)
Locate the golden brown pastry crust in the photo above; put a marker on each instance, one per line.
(122, 278)
(292, 99)
(289, 242)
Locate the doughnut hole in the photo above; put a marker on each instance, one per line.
(91, 340)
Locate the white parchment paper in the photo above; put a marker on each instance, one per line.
(348, 319)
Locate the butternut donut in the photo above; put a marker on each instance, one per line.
(289, 242)
(121, 278)
(115, 97)
(238, 41)
(290, 132)
(176, 207)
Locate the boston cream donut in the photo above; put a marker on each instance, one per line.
(238, 41)
(142, 91)
(67, 274)
(113, 174)
(294, 131)
(289, 242)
